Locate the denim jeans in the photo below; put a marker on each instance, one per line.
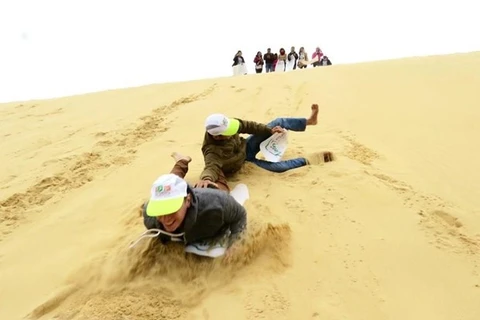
(254, 141)
(269, 67)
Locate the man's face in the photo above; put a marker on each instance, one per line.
(172, 221)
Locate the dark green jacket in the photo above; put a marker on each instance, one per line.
(228, 156)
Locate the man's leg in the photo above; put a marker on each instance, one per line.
(293, 124)
(297, 124)
(281, 166)
(222, 183)
(181, 168)
(181, 164)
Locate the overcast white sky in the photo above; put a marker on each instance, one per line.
(51, 48)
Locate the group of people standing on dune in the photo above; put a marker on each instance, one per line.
(206, 210)
(281, 61)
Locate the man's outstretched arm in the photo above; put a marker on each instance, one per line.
(213, 166)
(252, 127)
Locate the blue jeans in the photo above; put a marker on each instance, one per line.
(269, 67)
(253, 146)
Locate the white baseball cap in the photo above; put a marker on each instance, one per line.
(218, 124)
(167, 195)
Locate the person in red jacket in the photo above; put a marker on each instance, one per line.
(258, 62)
(282, 57)
(317, 54)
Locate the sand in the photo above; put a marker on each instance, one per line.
(389, 230)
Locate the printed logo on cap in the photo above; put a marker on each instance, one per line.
(159, 190)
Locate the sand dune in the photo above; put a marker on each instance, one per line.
(390, 230)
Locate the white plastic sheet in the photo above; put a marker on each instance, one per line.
(274, 147)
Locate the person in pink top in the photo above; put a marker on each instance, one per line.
(317, 54)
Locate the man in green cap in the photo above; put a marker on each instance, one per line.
(192, 215)
(225, 152)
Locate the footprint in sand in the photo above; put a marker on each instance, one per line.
(447, 218)
(359, 152)
(320, 157)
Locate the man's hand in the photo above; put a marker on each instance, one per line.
(277, 129)
(205, 184)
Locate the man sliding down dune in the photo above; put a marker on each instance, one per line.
(193, 215)
(225, 151)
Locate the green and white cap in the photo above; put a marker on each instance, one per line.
(218, 124)
(167, 195)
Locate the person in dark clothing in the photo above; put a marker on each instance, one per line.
(225, 152)
(238, 59)
(325, 61)
(293, 55)
(269, 59)
(238, 64)
(191, 214)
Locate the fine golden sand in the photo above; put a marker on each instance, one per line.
(390, 230)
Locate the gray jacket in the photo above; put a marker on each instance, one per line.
(212, 214)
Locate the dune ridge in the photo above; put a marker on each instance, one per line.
(112, 149)
(389, 230)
